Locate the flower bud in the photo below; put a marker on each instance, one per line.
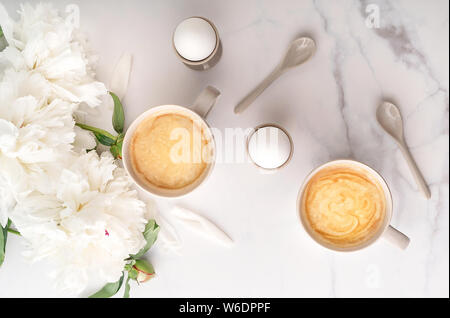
(145, 270)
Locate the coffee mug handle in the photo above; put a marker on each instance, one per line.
(395, 237)
(205, 101)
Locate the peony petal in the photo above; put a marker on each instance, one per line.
(120, 76)
(8, 136)
(201, 225)
(84, 140)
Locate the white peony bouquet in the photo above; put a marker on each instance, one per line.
(73, 207)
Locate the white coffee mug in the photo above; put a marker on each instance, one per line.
(198, 112)
(386, 231)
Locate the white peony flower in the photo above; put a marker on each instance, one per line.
(90, 224)
(13, 186)
(73, 208)
(44, 75)
(33, 133)
(43, 42)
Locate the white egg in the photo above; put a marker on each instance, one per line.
(194, 39)
(269, 147)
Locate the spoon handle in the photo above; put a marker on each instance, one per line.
(421, 183)
(250, 98)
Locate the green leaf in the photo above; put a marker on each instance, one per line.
(103, 137)
(3, 235)
(3, 42)
(118, 118)
(126, 294)
(109, 289)
(15, 232)
(104, 140)
(150, 235)
(3, 239)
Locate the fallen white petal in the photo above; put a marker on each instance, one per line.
(120, 76)
(168, 237)
(201, 225)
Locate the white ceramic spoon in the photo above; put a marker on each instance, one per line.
(299, 52)
(389, 117)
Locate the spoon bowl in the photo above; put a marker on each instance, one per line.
(299, 51)
(389, 117)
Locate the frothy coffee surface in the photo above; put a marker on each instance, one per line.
(164, 150)
(345, 206)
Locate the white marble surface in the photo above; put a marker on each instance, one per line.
(327, 105)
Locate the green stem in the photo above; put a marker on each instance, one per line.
(14, 232)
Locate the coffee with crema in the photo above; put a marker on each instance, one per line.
(344, 205)
(170, 150)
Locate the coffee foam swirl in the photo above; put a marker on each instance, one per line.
(345, 206)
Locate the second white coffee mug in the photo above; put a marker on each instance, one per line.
(386, 231)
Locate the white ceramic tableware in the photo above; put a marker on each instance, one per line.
(386, 231)
(196, 43)
(390, 119)
(198, 113)
(299, 51)
(269, 147)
